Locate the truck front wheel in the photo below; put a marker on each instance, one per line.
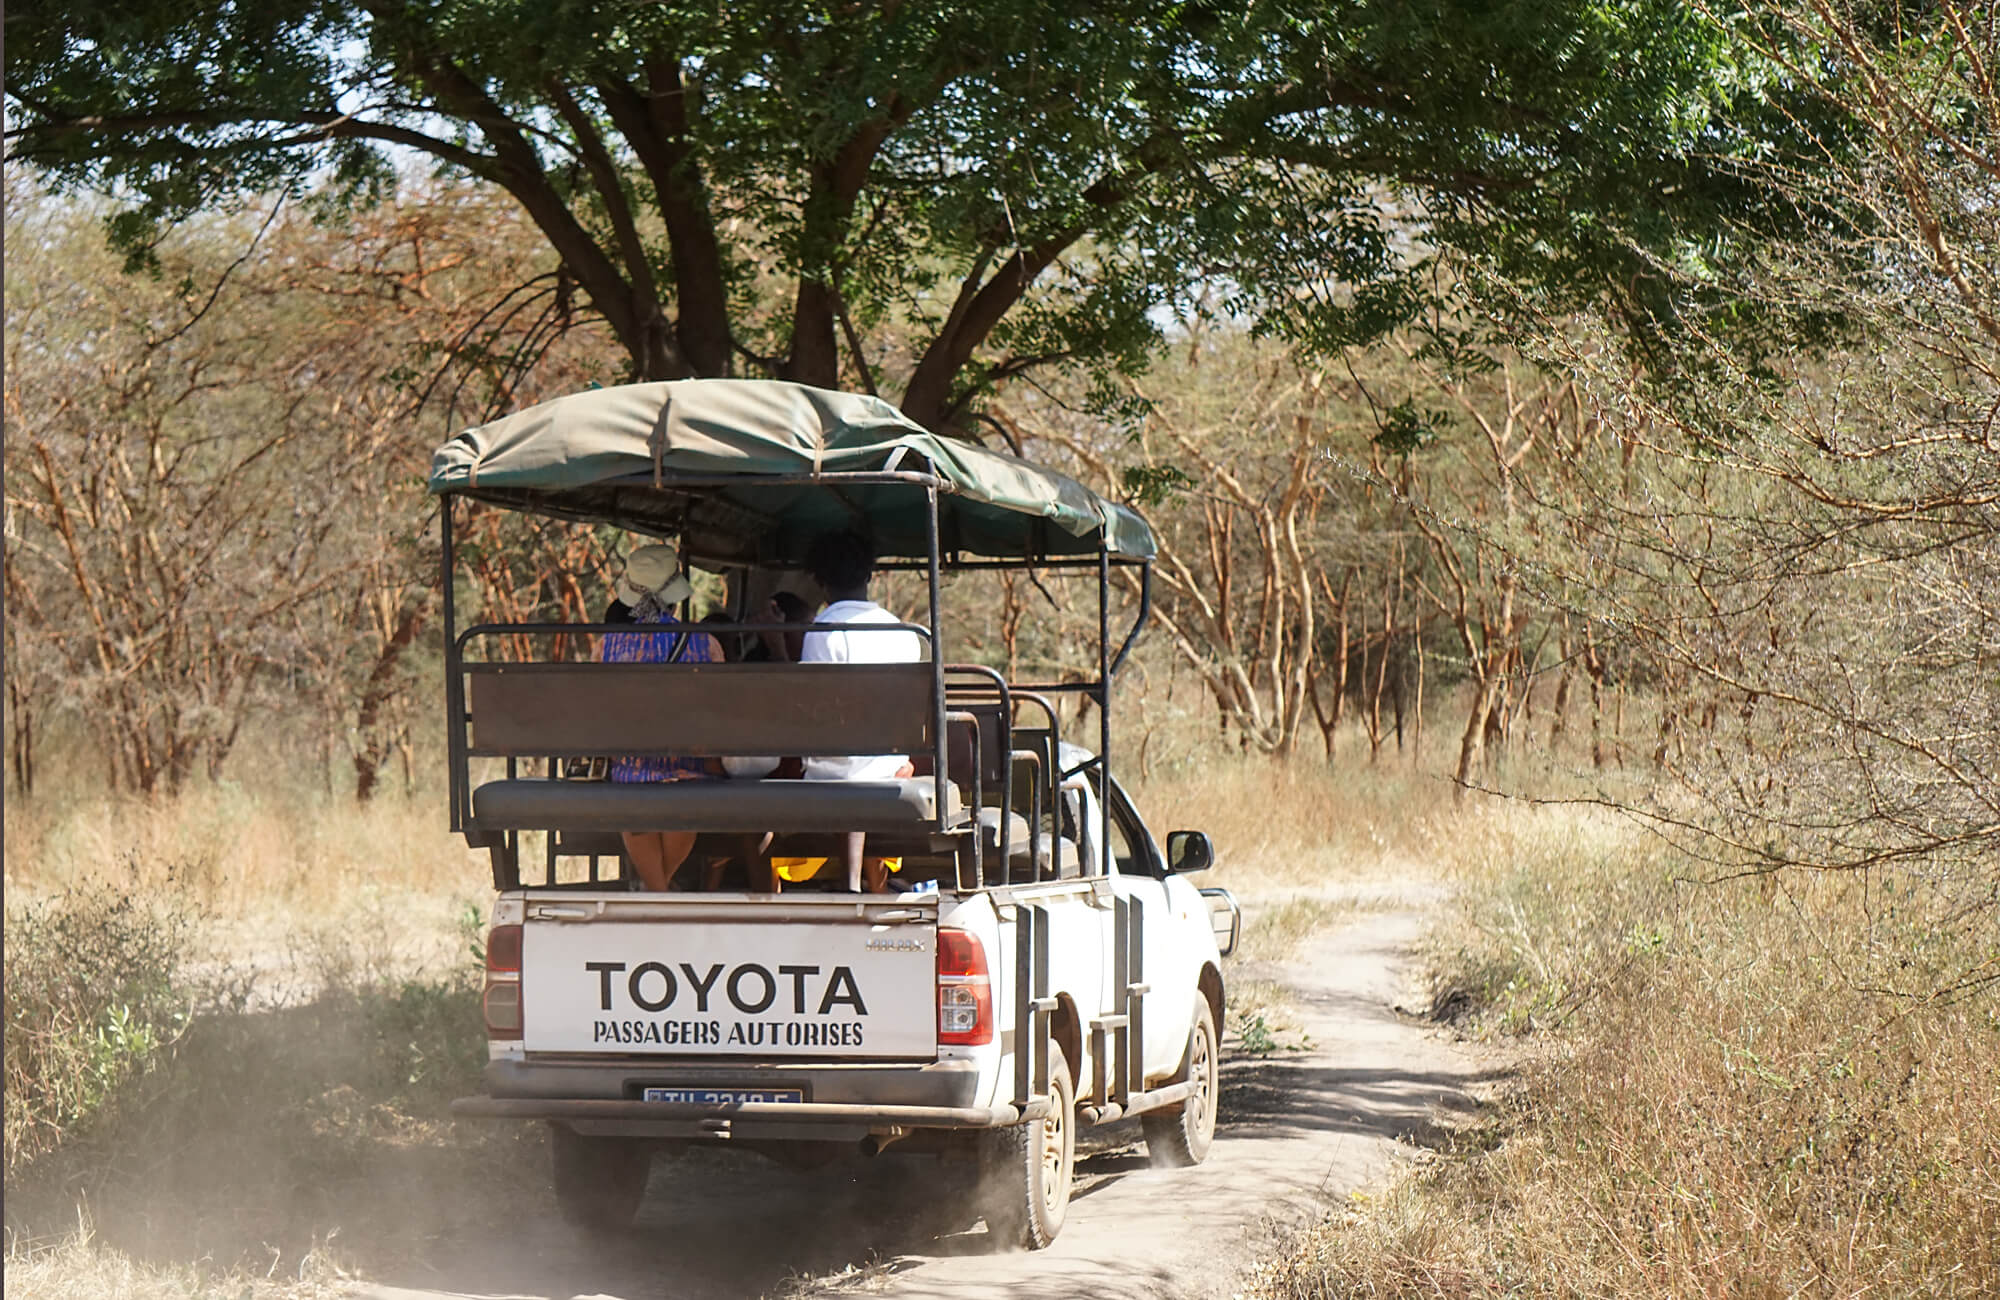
(1178, 1136)
(1026, 1170)
(599, 1181)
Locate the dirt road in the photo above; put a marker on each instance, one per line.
(1296, 1127)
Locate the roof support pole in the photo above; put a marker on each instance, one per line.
(454, 678)
(1139, 623)
(1104, 698)
(938, 738)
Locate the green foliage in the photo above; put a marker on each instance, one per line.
(1405, 427)
(95, 993)
(1254, 1037)
(429, 1039)
(1153, 485)
(961, 193)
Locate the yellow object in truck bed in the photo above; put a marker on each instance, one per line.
(794, 870)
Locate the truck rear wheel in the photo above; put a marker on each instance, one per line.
(599, 1181)
(1179, 1136)
(1026, 1170)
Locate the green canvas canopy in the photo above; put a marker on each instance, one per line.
(750, 471)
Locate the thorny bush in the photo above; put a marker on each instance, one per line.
(95, 992)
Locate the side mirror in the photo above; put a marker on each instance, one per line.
(1189, 851)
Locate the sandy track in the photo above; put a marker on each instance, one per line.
(1297, 1128)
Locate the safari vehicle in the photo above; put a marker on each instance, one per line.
(1043, 964)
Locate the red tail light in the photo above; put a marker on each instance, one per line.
(502, 1000)
(965, 992)
(503, 948)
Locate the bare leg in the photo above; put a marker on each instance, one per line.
(756, 853)
(644, 850)
(875, 875)
(749, 850)
(674, 849)
(855, 841)
(656, 855)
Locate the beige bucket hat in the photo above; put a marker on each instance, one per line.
(653, 571)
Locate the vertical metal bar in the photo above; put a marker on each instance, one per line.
(1135, 997)
(1041, 991)
(938, 778)
(978, 803)
(454, 684)
(1024, 1002)
(1034, 812)
(1121, 941)
(1104, 698)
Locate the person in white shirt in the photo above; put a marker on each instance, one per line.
(842, 563)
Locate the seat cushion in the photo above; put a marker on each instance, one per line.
(709, 805)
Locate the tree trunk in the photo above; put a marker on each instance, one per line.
(371, 747)
(1471, 744)
(21, 738)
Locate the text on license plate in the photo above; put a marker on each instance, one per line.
(723, 1096)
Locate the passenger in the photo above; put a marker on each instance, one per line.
(773, 644)
(842, 563)
(776, 644)
(731, 642)
(652, 586)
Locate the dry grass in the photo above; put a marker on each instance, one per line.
(1754, 1088)
(76, 1266)
(239, 852)
(1285, 826)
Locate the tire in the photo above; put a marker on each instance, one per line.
(599, 1181)
(1026, 1170)
(1179, 1136)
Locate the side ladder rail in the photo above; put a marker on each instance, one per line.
(1117, 1041)
(1034, 1007)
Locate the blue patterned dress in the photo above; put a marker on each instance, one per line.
(681, 645)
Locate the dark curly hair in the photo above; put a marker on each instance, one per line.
(841, 561)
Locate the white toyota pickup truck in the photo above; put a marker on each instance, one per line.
(1037, 962)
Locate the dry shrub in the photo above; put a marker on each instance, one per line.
(94, 994)
(1768, 1087)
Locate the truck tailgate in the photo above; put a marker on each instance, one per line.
(711, 976)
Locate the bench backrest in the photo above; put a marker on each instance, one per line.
(568, 710)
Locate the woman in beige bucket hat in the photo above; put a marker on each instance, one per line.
(654, 587)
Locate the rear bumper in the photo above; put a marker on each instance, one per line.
(842, 1102)
(953, 1084)
(794, 1121)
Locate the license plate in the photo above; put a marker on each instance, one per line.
(723, 1096)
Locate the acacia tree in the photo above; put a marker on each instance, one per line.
(787, 189)
(215, 477)
(155, 543)
(1807, 552)
(1226, 460)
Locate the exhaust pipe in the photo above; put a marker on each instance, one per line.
(881, 1139)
